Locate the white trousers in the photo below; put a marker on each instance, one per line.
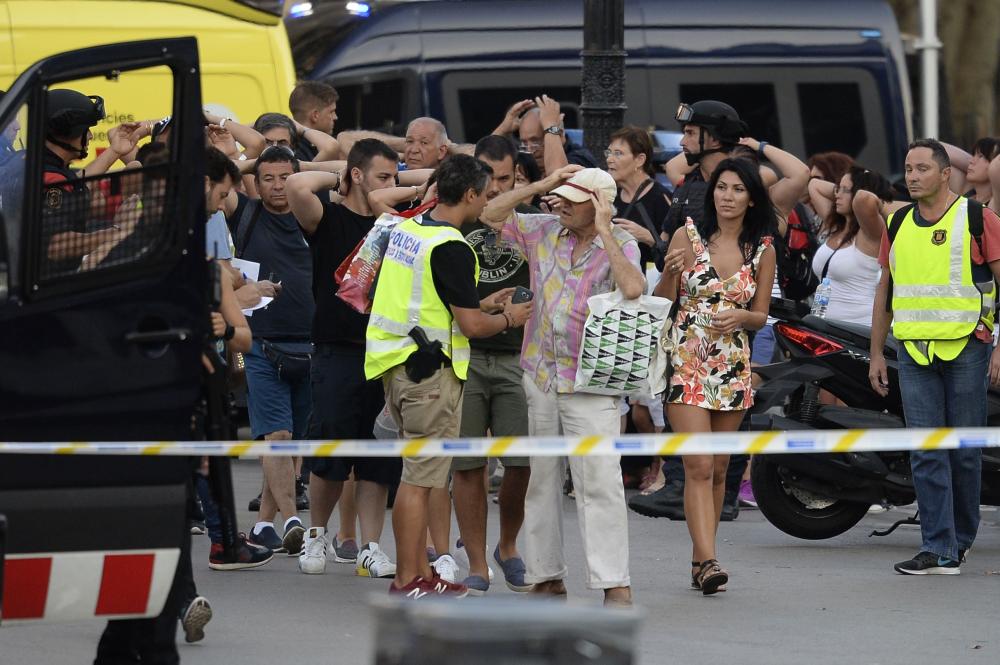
(597, 482)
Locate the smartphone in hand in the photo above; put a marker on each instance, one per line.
(521, 295)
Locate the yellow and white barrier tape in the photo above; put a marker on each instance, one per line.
(754, 443)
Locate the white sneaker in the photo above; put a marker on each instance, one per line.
(446, 568)
(312, 559)
(373, 562)
(462, 558)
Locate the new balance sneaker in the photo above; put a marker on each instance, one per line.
(345, 552)
(421, 588)
(373, 562)
(267, 537)
(312, 559)
(294, 533)
(193, 620)
(245, 555)
(446, 568)
(926, 563)
(462, 558)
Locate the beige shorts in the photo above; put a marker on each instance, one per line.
(431, 409)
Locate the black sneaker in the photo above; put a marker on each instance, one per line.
(254, 505)
(926, 563)
(268, 538)
(294, 535)
(194, 617)
(962, 554)
(668, 501)
(730, 506)
(246, 555)
(301, 495)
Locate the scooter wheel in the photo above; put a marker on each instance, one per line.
(788, 509)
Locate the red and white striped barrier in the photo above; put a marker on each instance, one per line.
(70, 586)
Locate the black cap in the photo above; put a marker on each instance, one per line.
(71, 114)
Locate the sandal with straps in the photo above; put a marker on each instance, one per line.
(711, 576)
(695, 584)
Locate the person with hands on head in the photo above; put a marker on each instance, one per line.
(426, 307)
(344, 404)
(251, 140)
(543, 135)
(720, 273)
(314, 105)
(571, 256)
(511, 122)
(940, 262)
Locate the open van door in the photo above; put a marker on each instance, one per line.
(104, 300)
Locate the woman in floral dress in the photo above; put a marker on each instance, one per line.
(721, 272)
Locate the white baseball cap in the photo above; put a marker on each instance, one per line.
(586, 182)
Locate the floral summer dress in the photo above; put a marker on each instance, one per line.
(711, 370)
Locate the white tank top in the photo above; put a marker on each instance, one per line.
(853, 278)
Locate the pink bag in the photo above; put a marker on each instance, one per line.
(357, 275)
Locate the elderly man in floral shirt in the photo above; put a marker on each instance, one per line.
(572, 255)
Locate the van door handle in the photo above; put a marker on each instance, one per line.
(166, 336)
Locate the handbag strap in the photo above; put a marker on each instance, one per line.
(644, 188)
(826, 266)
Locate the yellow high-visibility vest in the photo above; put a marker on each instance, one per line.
(406, 297)
(936, 303)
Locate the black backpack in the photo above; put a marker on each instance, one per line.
(795, 253)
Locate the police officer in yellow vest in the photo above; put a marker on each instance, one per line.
(941, 281)
(426, 307)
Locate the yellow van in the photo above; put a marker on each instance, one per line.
(246, 62)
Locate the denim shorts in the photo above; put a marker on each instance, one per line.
(274, 404)
(762, 352)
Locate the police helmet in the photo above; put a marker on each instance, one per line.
(71, 114)
(720, 119)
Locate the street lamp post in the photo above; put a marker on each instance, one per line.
(603, 89)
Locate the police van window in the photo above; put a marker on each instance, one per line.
(755, 102)
(377, 105)
(12, 165)
(106, 177)
(832, 117)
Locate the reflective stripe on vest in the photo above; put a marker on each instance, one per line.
(405, 297)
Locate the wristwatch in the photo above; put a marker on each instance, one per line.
(554, 129)
(229, 334)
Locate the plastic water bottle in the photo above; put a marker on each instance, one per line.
(821, 300)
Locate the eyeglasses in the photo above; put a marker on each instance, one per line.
(617, 154)
(837, 189)
(530, 146)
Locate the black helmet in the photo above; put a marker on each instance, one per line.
(720, 119)
(72, 114)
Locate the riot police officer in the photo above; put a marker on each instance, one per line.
(70, 228)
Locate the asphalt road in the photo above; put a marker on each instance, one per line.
(789, 601)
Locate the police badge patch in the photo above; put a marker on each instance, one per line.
(53, 197)
(939, 236)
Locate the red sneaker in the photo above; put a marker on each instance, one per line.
(421, 588)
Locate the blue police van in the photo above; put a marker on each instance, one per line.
(809, 76)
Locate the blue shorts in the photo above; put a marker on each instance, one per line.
(762, 352)
(274, 404)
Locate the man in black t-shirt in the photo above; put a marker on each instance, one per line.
(494, 402)
(345, 405)
(313, 105)
(277, 367)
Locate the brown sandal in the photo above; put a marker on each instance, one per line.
(711, 576)
(695, 584)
